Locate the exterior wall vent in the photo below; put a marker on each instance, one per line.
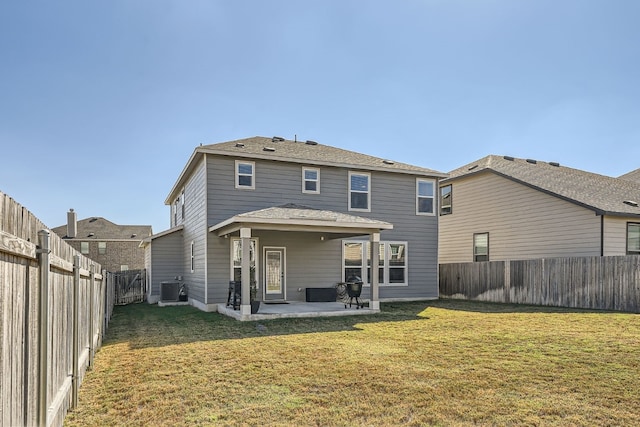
(310, 142)
(533, 162)
(556, 164)
(511, 159)
(631, 203)
(239, 145)
(270, 149)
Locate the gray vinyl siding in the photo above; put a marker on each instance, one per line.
(311, 262)
(194, 223)
(166, 261)
(523, 223)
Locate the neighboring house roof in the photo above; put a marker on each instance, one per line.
(97, 228)
(631, 176)
(603, 194)
(147, 240)
(291, 217)
(303, 152)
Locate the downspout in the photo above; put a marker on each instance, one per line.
(602, 235)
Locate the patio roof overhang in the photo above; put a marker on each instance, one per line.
(301, 218)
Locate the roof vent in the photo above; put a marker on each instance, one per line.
(94, 219)
(388, 162)
(133, 235)
(533, 162)
(91, 235)
(511, 159)
(277, 139)
(556, 164)
(631, 203)
(239, 145)
(472, 167)
(270, 149)
(310, 142)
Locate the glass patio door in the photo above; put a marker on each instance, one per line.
(274, 262)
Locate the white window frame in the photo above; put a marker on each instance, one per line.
(102, 248)
(124, 267)
(420, 196)
(304, 180)
(81, 245)
(238, 175)
(366, 264)
(256, 256)
(368, 192)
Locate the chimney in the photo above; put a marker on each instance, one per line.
(72, 224)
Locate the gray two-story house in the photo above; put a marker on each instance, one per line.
(294, 215)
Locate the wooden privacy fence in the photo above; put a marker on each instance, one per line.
(55, 305)
(605, 283)
(130, 286)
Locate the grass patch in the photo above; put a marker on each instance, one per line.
(428, 363)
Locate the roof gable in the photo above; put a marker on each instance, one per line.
(603, 194)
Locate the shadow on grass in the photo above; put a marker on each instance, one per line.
(144, 325)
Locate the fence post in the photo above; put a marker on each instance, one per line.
(44, 264)
(76, 321)
(91, 311)
(507, 281)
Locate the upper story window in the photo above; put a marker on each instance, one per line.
(310, 180)
(182, 204)
(481, 247)
(446, 200)
(84, 247)
(425, 196)
(359, 191)
(633, 238)
(245, 175)
(102, 248)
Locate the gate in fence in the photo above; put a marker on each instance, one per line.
(130, 286)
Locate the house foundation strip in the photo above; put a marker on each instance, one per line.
(374, 302)
(245, 237)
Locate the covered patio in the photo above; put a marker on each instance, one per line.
(287, 218)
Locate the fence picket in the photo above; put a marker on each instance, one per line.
(605, 283)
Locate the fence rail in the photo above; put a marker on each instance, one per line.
(55, 305)
(605, 283)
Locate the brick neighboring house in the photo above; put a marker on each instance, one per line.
(115, 247)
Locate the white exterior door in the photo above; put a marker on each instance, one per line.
(274, 274)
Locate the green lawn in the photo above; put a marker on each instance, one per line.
(430, 363)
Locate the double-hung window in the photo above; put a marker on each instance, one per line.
(481, 247)
(84, 247)
(245, 175)
(359, 191)
(310, 180)
(102, 248)
(425, 196)
(633, 238)
(446, 200)
(392, 262)
(236, 260)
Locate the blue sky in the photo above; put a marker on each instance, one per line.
(103, 102)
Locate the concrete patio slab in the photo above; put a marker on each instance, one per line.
(296, 309)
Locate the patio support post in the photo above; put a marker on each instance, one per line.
(245, 268)
(374, 302)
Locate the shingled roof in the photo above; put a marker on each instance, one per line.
(631, 176)
(98, 228)
(303, 152)
(603, 194)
